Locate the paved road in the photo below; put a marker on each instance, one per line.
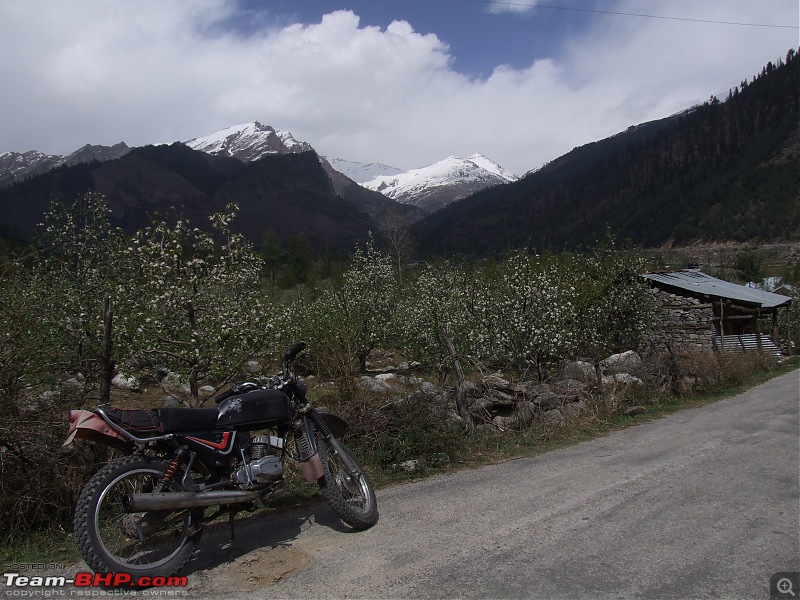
(702, 504)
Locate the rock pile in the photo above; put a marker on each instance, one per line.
(495, 402)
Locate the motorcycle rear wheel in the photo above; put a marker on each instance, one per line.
(111, 540)
(352, 499)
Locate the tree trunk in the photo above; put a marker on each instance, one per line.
(107, 353)
(461, 388)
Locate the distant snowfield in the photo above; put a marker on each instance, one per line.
(362, 172)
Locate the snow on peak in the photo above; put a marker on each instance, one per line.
(248, 142)
(492, 167)
(476, 169)
(443, 182)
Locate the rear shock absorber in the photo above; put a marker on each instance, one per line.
(178, 460)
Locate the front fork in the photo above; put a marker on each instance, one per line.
(308, 452)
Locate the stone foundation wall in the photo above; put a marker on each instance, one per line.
(686, 323)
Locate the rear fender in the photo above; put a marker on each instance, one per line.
(87, 425)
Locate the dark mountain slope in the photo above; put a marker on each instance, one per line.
(289, 193)
(292, 195)
(720, 171)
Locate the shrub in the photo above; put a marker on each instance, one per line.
(39, 480)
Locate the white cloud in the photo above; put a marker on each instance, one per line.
(511, 6)
(153, 71)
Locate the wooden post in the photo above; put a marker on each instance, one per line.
(776, 333)
(461, 388)
(758, 332)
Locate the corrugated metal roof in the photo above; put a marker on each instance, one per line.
(698, 282)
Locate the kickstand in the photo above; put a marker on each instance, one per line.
(231, 517)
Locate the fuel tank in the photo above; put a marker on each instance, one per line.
(257, 409)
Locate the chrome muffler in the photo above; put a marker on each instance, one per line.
(181, 500)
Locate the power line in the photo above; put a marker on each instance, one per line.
(628, 14)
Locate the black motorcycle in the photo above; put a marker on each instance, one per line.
(143, 514)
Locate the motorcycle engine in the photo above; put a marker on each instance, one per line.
(263, 467)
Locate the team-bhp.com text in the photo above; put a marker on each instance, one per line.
(91, 580)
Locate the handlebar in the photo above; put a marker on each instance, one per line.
(239, 388)
(294, 351)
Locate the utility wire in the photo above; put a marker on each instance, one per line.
(627, 14)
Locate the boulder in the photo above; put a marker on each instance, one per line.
(125, 383)
(580, 371)
(409, 465)
(554, 417)
(480, 406)
(526, 411)
(73, 382)
(252, 367)
(530, 389)
(173, 381)
(509, 422)
(500, 398)
(620, 379)
(496, 381)
(625, 362)
(569, 384)
(372, 384)
(547, 401)
(573, 409)
(428, 388)
(472, 390)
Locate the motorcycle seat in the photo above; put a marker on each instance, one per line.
(135, 420)
(162, 420)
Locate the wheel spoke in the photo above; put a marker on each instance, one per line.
(138, 538)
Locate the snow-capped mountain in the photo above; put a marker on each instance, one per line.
(249, 142)
(362, 172)
(427, 189)
(433, 187)
(18, 165)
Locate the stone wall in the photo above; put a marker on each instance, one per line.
(687, 323)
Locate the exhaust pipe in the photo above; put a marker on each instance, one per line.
(180, 500)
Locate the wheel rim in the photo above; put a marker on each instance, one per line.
(355, 491)
(138, 540)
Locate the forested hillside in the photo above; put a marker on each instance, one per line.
(727, 170)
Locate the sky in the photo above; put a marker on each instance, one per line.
(401, 82)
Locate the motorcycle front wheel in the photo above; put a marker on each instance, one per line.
(351, 498)
(112, 540)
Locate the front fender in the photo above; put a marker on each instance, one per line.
(336, 424)
(86, 425)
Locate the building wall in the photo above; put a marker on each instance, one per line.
(686, 323)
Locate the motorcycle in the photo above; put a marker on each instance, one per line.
(143, 514)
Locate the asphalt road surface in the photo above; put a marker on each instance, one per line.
(701, 504)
